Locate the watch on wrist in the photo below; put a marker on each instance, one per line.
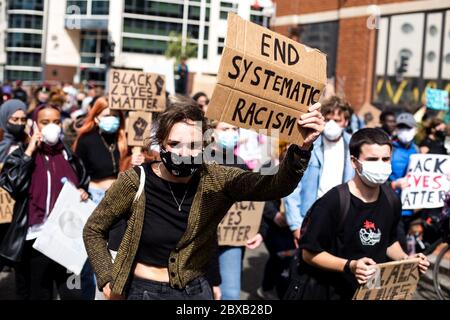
(347, 268)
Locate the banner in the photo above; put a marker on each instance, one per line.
(427, 181)
(6, 206)
(392, 281)
(240, 224)
(437, 99)
(61, 237)
(266, 80)
(136, 91)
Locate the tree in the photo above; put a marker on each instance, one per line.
(175, 48)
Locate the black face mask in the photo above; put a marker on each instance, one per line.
(17, 130)
(440, 135)
(180, 166)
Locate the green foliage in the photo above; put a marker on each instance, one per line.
(175, 48)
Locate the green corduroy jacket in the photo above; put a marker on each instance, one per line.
(218, 189)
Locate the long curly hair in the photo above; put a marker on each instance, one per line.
(90, 125)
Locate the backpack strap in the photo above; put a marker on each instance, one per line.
(344, 203)
(141, 184)
(391, 196)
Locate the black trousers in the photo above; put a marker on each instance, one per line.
(37, 276)
(143, 289)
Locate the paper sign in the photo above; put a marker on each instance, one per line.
(240, 224)
(138, 129)
(137, 91)
(392, 281)
(427, 181)
(437, 99)
(6, 207)
(61, 237)
(270, 77)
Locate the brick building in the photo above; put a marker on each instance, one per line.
(382, 52)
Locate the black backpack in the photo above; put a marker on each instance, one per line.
(297, 280)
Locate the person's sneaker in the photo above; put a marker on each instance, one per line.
(266, 294)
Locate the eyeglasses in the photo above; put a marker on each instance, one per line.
(17, 119)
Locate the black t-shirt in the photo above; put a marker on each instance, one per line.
(93, 150)
(435, 146)
(368, 230)
(164, 224)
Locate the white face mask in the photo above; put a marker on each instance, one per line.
(406, 135)
(374, 173)
(332, 131)
(51, 134)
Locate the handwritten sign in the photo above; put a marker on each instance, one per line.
(437, 99)
(392, 281)
(138, 129)
(240, 224)
(6, 207)
(137, 91)
(427, 181)
(266, 80)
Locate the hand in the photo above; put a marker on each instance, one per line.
(361, 269)
(280, 220)
(217, 293)
(137, 159)
(254, 242)
(109, 295)
(314, 122)
(423, 263)
(35, 141)
(296, 236)
(401, 183)
(83, 194)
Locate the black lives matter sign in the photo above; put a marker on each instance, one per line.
(266, 81)
(137, 91)
(240, 224)
(392, 281)
(427, 178)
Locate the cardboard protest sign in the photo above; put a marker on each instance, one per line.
(436, 99)
(427, 181)
(138, 129)
(240, 224)
(61, 237)
(6, 207)
(137, 91)
(266, 80)
(392, 281)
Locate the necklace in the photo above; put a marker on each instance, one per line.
(111, 148)
(171, 191)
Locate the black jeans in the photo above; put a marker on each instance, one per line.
(36, 276)
(143, 289)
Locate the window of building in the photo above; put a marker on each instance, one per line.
(23, 59)
(93, 44)
(37, 5)
(220, 45)
(144, 46)
(100, 7)
(81, 4)
(226, 7)
(25, 40)
(95, 75)
(12, 75)
(205, 51)
(151, 27)
(162, 9)
(25, 21)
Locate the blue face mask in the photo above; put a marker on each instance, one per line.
(109, 124)
(227, 139)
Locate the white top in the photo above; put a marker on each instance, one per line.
(333, 165)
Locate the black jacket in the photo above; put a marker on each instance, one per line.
(15, 178)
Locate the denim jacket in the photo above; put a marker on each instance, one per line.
(304, 196)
